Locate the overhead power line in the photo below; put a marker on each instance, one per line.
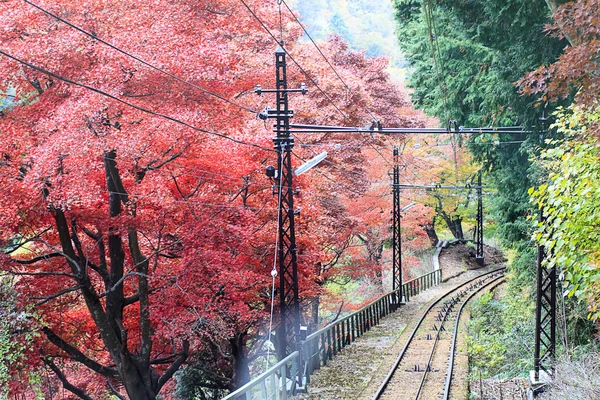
(142, 109)
(300, 128)
(316, 46)
(93, 36)
(336, 73)
(294, 61)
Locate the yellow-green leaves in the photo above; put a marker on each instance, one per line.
(570, 202)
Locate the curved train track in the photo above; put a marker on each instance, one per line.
(424, 367)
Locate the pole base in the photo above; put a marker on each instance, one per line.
(537, 386)
(480, 261)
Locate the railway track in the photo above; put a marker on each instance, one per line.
(424, 367)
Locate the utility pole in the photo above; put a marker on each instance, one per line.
(479, 253)
(545, 312)
(396, 235)
(545, 315)
(289, 307)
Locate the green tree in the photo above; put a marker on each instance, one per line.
(570, 202)
(466, 57)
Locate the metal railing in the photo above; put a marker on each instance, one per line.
(276, 383)
(321, 346)
(421, 283)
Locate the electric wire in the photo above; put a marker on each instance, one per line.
(192, 202)
(316, 46)
(274, 270)
(146, 63)
(327, 60)
(294, 61)
(338, 184)
(142, 109)
(305, 73)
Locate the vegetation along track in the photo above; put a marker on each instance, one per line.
(423, 369)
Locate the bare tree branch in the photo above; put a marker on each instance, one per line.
(56, 295)
(38, 258)
(175, 366)
(63, 379)
(114, 390)
(77, 355)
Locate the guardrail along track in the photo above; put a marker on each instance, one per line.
(423, 369)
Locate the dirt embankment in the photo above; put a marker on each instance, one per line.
(459, 257)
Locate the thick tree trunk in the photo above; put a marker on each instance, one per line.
(241, 370)
(431, 233)
(133, 381)
(454, 224)
(458, 227)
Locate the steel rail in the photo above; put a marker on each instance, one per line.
(437, 338)
(482, 286)
(398, 360)
(478, 289)
(501, 280)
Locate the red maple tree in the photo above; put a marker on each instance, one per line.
(142, 242)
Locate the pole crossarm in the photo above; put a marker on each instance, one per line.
(444, 187)
(376, 128)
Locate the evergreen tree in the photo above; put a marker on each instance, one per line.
(465, 57)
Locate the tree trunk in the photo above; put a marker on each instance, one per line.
(431, 233)
(458, 227)
(454, 223)
(134, 382)
(241, 370)
(315, 313)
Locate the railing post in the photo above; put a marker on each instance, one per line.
(332, 342)
(329, 354)
(324, 348)
(359, 324)
(283, 382)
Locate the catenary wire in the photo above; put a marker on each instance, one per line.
(295, 62)
(325, 57)
(316, 46)
(142, 109)
(146, 63)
